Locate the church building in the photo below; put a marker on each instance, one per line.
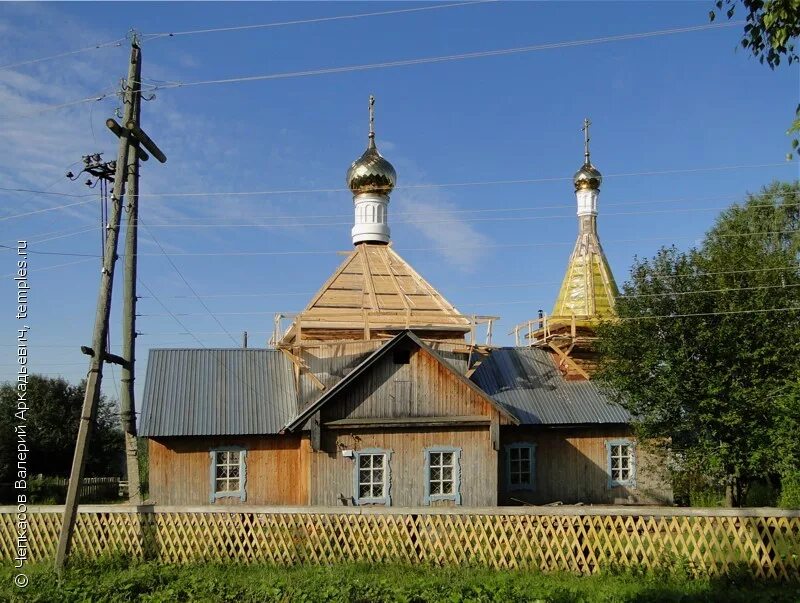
(378, 394)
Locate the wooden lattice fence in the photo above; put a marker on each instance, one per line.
(578, 539)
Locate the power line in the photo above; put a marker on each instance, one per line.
(43, 210)
(175, 318)
(509, 303)
(450, 221)
(494, 209)
(697, 292)
(185, 282)
(400, 63)
(406, 249)
(410, 186)
(485, 285)
(719, 313)
(455, 57)
(722, 313)
(154, 36)
(117, 42)
(94, 98)
(468, 183)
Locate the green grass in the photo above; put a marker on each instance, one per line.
(119, 580)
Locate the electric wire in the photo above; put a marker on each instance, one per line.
(398, 63)
(170, 225)
(468, 183)
(410, 186)
(455, 57)
(118, 42)
(155, 36)
(102, 95)
(185, 282)
(491, 285)
(570, 216)
(503, 303)
(687, 315)
(404, 249)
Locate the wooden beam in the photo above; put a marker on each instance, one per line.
(316, 432)
(568, 360)
(494, 430)
(302, 367)
(409, 422)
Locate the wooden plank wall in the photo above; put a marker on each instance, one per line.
(571, 467)
(332, 361)
(434, 392)
(332, 479)
(277, 470)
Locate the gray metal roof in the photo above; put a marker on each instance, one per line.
(217, 392)
(526, 381)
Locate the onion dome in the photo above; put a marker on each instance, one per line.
(588, 177)
(371, 173)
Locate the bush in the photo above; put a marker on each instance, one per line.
(790, 492)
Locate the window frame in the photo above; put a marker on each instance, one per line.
(241, 493)
(631, 481)
(386, 499)
(455, 495)
(521, 445)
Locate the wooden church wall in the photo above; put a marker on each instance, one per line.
(407, 384)
(333, 475)
(276, 470)
(571, 467)
(330, 362)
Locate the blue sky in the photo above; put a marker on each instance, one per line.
(679, 102)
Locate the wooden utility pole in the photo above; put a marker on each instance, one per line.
(127, 405)
(98, 351)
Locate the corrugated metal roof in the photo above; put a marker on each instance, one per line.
(217, 392)
(526, 381)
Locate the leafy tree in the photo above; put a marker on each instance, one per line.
(703, 346)
(770, 33)
(52, 428)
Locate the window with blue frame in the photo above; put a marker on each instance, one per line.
(621, 462)
(373, 477)
(228, 473)
(520, 466)
(442, 474)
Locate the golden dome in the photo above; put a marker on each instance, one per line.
(588, 177)
(371, 173)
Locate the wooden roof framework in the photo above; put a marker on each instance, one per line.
(374, 294)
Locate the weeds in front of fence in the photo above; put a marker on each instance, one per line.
(120, 579)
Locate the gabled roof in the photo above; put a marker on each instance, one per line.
(526, 381)
(374, 282)
(205, 392)
(375, 357)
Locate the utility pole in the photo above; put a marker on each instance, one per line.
(98, 350)
(127, 405)
(130, 139)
